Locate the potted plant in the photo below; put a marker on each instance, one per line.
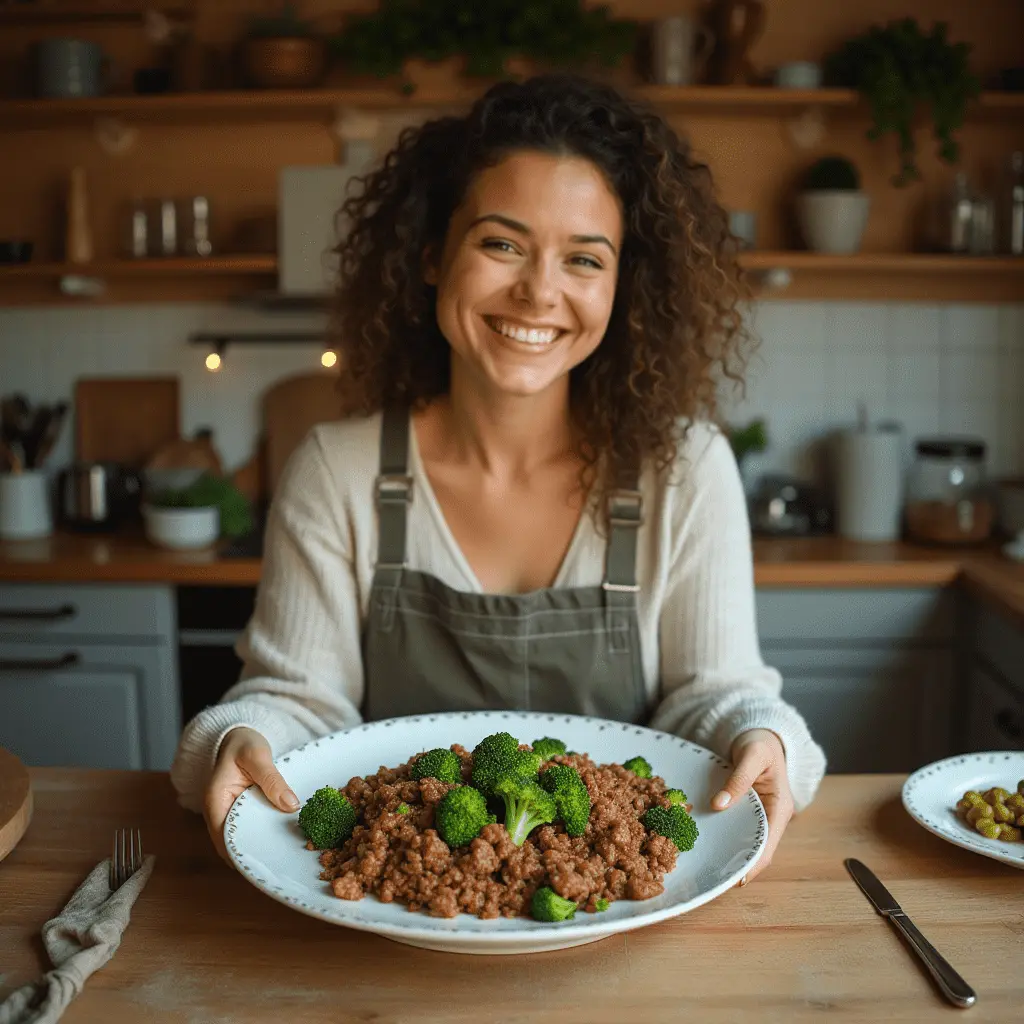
(283, 51)
(831, 208)
(480, 38)
(196, 515)
(899, 70)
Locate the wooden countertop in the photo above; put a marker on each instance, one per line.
(798, 944)
(778, 562)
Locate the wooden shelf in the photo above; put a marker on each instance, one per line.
(87, 10)
(216, 278)
(890, 276)
(874, 276)
(322, 104)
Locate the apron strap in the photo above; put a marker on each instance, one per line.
(393, 488)
(625, 515)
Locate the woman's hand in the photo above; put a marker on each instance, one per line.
(244, 759)
(760, 761)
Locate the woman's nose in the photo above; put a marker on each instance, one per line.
(538, 283)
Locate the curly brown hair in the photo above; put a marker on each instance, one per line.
(675, 324)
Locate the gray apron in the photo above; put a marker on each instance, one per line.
(428, 647)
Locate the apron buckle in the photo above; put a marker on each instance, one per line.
(392, 488)
(625, 508)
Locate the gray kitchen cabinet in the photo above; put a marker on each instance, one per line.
(871, 669)
(88, 675)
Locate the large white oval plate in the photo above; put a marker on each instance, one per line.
(267, 846)
(931, 793)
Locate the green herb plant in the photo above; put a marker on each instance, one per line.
(209, 491)
(899, 68)
(486, 32)
(832, 173)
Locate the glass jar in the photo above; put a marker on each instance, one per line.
(948, 496)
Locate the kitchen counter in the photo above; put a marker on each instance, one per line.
(798, 944)
(789, 562)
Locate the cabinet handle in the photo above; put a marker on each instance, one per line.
(1009, 725)
(41, 664)
(65, 611)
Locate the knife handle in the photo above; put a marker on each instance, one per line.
(954, 988)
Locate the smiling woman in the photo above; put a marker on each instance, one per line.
(526, 505)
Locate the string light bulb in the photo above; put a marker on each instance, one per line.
(329, 358)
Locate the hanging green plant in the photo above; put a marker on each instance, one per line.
(899, 69)
(486, 32)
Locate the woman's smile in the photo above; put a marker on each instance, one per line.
(522, 337)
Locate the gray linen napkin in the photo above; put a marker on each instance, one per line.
(79, 941)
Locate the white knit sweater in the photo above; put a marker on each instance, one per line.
(302, 674)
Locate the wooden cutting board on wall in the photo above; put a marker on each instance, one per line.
(291, 408)
(125, 419)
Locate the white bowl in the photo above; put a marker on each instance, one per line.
(266, 845)
(182, 528)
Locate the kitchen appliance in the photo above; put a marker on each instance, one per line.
(783, 506)
(98, 496)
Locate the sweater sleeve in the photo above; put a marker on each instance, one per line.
(302, 673)
(715, 683)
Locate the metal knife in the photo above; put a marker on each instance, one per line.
(953, 987)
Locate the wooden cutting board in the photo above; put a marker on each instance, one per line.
(125, 419)
(15, 801)
(291, 408)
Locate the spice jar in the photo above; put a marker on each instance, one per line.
(948, 496)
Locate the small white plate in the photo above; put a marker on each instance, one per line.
(931, 793)
(268, 848)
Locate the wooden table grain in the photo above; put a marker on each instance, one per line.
(800, 943)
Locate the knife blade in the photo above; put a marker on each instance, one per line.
(952, 986)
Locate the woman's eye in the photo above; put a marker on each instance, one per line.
(495, 243)
(589, 262)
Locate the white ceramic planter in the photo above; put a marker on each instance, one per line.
(833, 221)
(182, 528)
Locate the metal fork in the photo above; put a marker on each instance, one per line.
(126, 858)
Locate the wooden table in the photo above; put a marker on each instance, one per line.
(799, 944)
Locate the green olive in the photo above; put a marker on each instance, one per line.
(988, 828)
(976, 814)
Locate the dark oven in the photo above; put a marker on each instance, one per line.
(210, 621)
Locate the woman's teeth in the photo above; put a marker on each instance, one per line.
(531, 337)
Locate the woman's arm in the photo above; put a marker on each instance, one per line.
(302, 663)
(714, 682)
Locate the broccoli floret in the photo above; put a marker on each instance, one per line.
(327, 818)
(547, 905)
(601, 904)
(548, 747)
(674, 824)
(439, 763)
(639, 766)
(526, 805)
(461, 814)
(498, 755)
(571, 797)
(403, 808)
(675, 796)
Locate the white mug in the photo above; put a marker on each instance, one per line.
(678, 46)
(25, 505)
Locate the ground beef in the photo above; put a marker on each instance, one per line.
(401, 858)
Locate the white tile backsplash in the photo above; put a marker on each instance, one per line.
(931, 367)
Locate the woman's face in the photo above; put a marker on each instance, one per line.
(526, 281)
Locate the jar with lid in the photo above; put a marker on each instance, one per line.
(949, 500)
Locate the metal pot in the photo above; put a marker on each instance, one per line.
(97, 495)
